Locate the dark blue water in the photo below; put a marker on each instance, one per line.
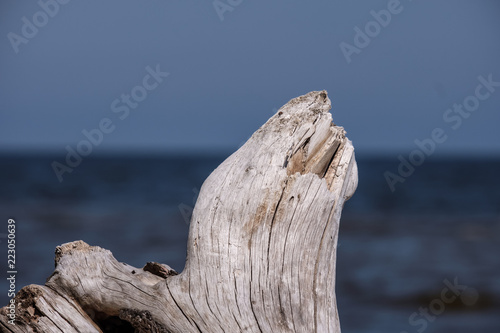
(397, 252)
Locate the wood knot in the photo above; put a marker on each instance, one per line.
(160, 270)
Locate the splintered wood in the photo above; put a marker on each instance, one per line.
(261, 249)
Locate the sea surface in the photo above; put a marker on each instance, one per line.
(398, 251)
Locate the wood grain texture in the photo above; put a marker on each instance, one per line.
(261, 248)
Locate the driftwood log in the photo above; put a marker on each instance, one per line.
(261, 251)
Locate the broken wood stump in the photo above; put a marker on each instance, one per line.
(261, 251)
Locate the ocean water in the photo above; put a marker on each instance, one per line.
(400, 256)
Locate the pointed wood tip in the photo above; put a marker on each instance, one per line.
(316, 101)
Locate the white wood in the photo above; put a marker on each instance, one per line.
(261, 248)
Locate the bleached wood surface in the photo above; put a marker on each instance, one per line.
(261, 248)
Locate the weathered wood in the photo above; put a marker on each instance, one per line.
(261, 248)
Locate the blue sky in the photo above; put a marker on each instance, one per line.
(227, 77)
